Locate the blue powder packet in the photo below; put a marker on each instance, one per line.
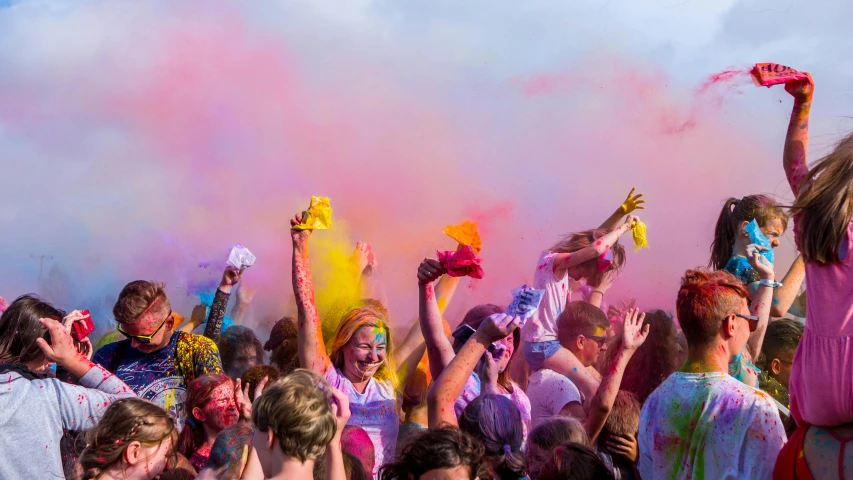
(757, 237)
(525, 301)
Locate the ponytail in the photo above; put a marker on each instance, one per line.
(724, 236)
(761, 208)
(507, 464)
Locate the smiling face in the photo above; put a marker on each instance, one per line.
(220, 411)
(364, 353)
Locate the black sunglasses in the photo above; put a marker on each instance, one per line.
(144, 338)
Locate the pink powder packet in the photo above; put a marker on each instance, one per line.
(461, 263)
(769, 74)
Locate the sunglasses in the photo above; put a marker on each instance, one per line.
(144, 338)
(598, 339)
(752, 319)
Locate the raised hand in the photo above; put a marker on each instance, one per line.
(299, 237)
(245, 293)
(498, 326)
(62, 349)
(761, 265)
(801, 90)
(241, 399)
(633, 202)
(633, 331)
(624, 445)
(429, 271)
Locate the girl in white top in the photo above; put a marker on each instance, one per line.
(361, 363)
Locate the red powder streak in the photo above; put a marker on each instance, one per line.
(726, 76)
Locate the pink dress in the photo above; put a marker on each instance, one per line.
(821, 383)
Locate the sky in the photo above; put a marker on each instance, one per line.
(141, 140)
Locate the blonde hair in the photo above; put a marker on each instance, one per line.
(125, 421)
(364, 317)
(138, 297)
(298, 410)
(579, 240)
(824, 205)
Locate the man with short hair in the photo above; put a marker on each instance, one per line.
(581, 329)
(780, 344)
(701, 422)
(156, 361)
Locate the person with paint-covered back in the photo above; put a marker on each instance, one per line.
(35, 410)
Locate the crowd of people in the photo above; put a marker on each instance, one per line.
(734, 385)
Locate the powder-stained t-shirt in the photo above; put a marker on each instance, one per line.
(708, 425)
(542, 326)
(161, 377)
(375, 411)
(549, 393)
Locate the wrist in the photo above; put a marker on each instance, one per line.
(599, 290)
(767, 276)
(225, 288)
(764, 282)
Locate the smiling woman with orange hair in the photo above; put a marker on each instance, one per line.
(360, 361)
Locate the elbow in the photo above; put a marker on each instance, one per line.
(777, 311)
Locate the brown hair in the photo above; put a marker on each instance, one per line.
(125, 421)
(474, 318)
(761, 208)
(283, 345)
(656, 358)
(199, 392)
(298, 411)
(557, 430)
(579, 240)
(445, 447)
(496, 421)
(576, 461)
(138, 297)
(704, 299)
(254, 375)
(580, 318)
(624, 418)
(824, 205)
(782, 339)
(235, 337)
(20, 327)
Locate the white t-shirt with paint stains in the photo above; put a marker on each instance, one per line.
(542, 326)
(708, 425)
(549, 392)
(375, 411)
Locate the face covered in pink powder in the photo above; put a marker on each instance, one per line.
(220, 411)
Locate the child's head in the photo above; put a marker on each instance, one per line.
(294, 419)
(282, 345)
(240, 350)
(496, 422)
(576, 461)
(824, 205)
(624, 418)
(448, 451)
(547, 436)
(780, 344)
(577, 241)
(353, 468)
(210, 407)
(254, 375)
(582, 329)
(20, 327)
(735, 215)
(134, 435)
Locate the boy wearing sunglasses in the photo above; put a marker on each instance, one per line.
(701, 421)
(156, 361)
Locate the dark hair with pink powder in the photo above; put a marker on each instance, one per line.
(496, 422)
(356, 441)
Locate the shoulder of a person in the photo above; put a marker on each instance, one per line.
(107, 350)
(194, 340)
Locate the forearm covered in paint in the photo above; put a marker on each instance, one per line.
(438, 347)
(784, 296)
(449, 385)
(760, 307)
(567, 260)
(312, 350)
(602, 402)
(797, 145)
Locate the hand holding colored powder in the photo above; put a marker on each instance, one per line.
(465, 233)
(461, 263)
(318, 216)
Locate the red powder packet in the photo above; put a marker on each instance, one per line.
(79, 330)
(769, 74)
(461, 263)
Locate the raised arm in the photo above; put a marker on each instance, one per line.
(438, 346)
(633, 202)
(797, 139)
(761, 302)
(633, 335)
(312, 350)
(563, 261)
(230, 277)
(449, 385)
(245, 294)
